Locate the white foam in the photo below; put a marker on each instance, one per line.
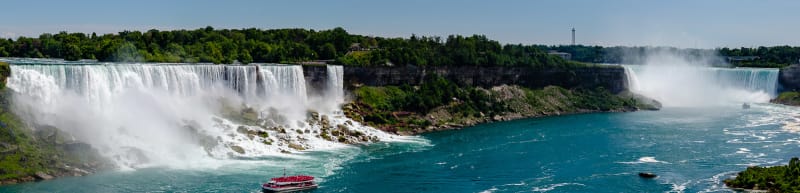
(150, 115)
(550, 187)
(743, 150)
(490, 190)
(642, 160)
(677, 188)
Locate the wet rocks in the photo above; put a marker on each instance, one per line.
(296, 146)
(250, 115)
(42, 176)
(237, 149)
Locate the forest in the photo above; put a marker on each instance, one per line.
(227, 46)
(776, 56)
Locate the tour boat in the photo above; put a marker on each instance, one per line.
(289, 184)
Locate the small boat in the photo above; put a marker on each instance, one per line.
(745, 106)
(289, 184)
(647, 175)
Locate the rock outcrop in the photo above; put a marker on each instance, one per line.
(611, 78)
(789, 78)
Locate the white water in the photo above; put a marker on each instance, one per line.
(142, 115)
(676, 82)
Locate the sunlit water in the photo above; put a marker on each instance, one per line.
(691, 149)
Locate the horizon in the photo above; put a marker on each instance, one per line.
(683, 24)
(406, 37)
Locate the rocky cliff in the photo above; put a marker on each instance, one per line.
(609, 77)
(789, 78)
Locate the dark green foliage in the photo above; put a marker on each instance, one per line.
(21, 154)
(440, 102)
(72, 52)
(775, 179)
(777, 56)
(772, 57)
(436, 91)
(788, 98)
(5, 71)
(388, 104)
(278, 46)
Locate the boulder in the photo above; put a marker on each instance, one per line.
(249, 114)
(241, 129)
(497, 118)
(42, 176)
(237, 149)
(297, 147)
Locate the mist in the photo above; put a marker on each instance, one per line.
(679, 80)
(145, 115)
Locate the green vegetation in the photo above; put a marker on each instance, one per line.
(20, 154)
(439, 102)
(24, 151)
(774, 179)
(557, 99)
(788, 98)
(773, 57)
(298, 45)
(5, 71)
(387, 104)
(277, 46)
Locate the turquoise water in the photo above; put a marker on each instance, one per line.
(691, 149)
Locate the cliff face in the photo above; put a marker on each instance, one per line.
(316, 78)
(789, 78)
(610, 78)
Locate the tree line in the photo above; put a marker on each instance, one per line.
(226, 46)
(776, 56)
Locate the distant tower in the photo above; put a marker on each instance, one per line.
(573, 36)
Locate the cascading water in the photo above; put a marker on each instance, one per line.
(336, 83)
(683, 86)
(284, 79)
(140, 115)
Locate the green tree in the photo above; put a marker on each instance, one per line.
(327, 51)
(72, 52)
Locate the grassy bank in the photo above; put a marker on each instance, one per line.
(788, 98)
(773, 179)
(440, 104)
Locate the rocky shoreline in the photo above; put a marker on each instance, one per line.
(474, 122)
(60, 171)
(550, 101)
(790, 98)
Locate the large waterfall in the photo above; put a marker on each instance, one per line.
(176, 114)
(684, 85)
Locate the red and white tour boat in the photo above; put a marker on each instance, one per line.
(290, 184)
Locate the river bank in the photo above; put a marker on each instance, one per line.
(436, 98)
(412, 110)
(43, 153)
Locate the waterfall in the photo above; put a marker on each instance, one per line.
(336, 82)
(633, 81)
(284, 79)
(142, 115)
(682, 85)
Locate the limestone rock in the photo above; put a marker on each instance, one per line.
(237, 149)
(297, 147)
(42, 176)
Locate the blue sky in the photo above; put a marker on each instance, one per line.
(682, 23)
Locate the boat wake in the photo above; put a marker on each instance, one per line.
(644, 160)
(549, 187)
